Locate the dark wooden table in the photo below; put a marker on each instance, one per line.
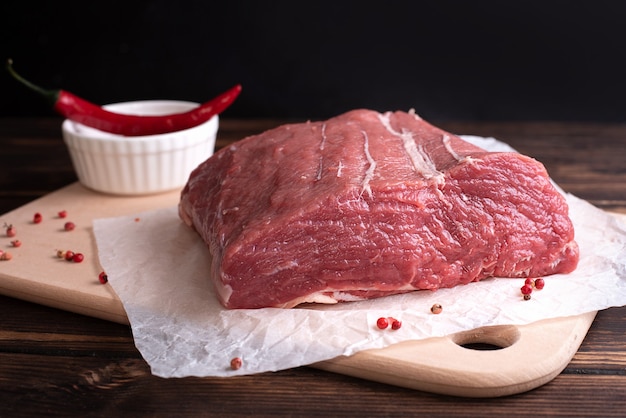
(56, 363)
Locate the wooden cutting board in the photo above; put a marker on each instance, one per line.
(528, 356)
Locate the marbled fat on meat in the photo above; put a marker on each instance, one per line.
(365, 205)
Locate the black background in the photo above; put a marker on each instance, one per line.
(463, 60)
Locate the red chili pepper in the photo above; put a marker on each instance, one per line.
(89, 114)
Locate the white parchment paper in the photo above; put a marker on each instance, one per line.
(160, 270)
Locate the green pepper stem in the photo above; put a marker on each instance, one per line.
(50, 95)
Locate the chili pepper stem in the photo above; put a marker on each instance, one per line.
(50, 95)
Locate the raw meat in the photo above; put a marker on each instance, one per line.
(365, 205)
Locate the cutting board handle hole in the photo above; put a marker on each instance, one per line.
(488, 338)
(481, 346)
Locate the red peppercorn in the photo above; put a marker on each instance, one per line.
(62, 214)
(103, 278)
(395, 324)
(78, 258)
(526, 289)
(6, 256)
(69, 255)
(10, 230)
(16, 243)
(69, 226)
(539, 283)
(382, 323)
(37, 218)
(236, 363)
(529, 281)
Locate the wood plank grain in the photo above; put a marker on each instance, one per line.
(97, 385)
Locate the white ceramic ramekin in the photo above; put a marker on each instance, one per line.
(139, 165)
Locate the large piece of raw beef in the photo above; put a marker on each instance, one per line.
(365, 205)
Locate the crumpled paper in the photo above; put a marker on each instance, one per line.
(159, 268)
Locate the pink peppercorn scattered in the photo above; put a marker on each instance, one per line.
(382, 323)
(530, 284)
(16, 243)
(71, 256)
(10, 230)
(236, 363)
(5, 256)
(37, 218)
(62, 214)
(526, 289)
(69, 226)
